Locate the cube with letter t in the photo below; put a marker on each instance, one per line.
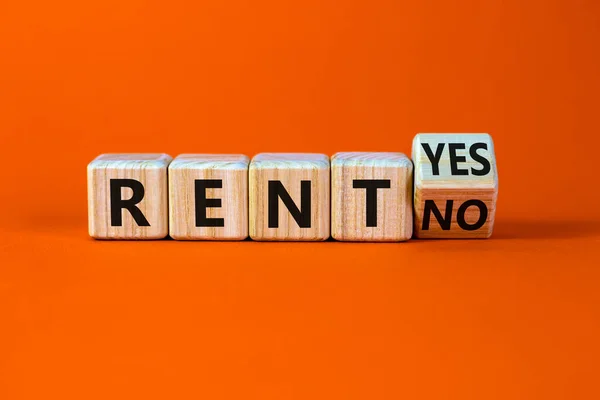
(289, 197)
(371, 197)
(456, 185)
(127, 196)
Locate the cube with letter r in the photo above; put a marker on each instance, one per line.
(455, 185)
(127, 196)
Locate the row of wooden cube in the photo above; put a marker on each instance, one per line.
(354, 196)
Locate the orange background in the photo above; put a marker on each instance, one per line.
(516, 316)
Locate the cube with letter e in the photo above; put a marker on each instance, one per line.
(456, 185)
(208, 197)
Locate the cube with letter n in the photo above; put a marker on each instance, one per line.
(289, 197)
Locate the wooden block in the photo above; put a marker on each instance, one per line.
(456, 185)
(208, 197)
(289, 197)
(371, 197)
(127, 196)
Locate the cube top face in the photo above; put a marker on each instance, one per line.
(371, 197)
(208, 197)
(290, 160)
(127, 196)
(206, 161)
(289, 197)
(456, 185)
(459, 164)
(131, 160)
(370, 159)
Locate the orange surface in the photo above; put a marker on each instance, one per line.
(513, 317)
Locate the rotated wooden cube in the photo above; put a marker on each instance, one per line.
(127, 196)
(289, 197)
(371, 197)
(456, 185)
(208, 197)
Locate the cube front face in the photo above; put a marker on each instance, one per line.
(289, 197)
(208, 197)
(456, 185)
(371, 197)
(127, 196)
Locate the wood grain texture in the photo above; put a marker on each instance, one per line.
(290, 169)
(445, 186)
(151, 171)
(349, 205)
(232, 170)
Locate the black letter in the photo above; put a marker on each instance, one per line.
(202, 203)
(116, 203)
(371, 185)
(444, 222)
(482, 160)
(302, 216)
(454, 159)
(483, 213)
(435, 159)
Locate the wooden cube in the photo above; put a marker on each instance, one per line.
(371, 197)
(456, 185)
(289, 197)
(127, 196)
(208, 197)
